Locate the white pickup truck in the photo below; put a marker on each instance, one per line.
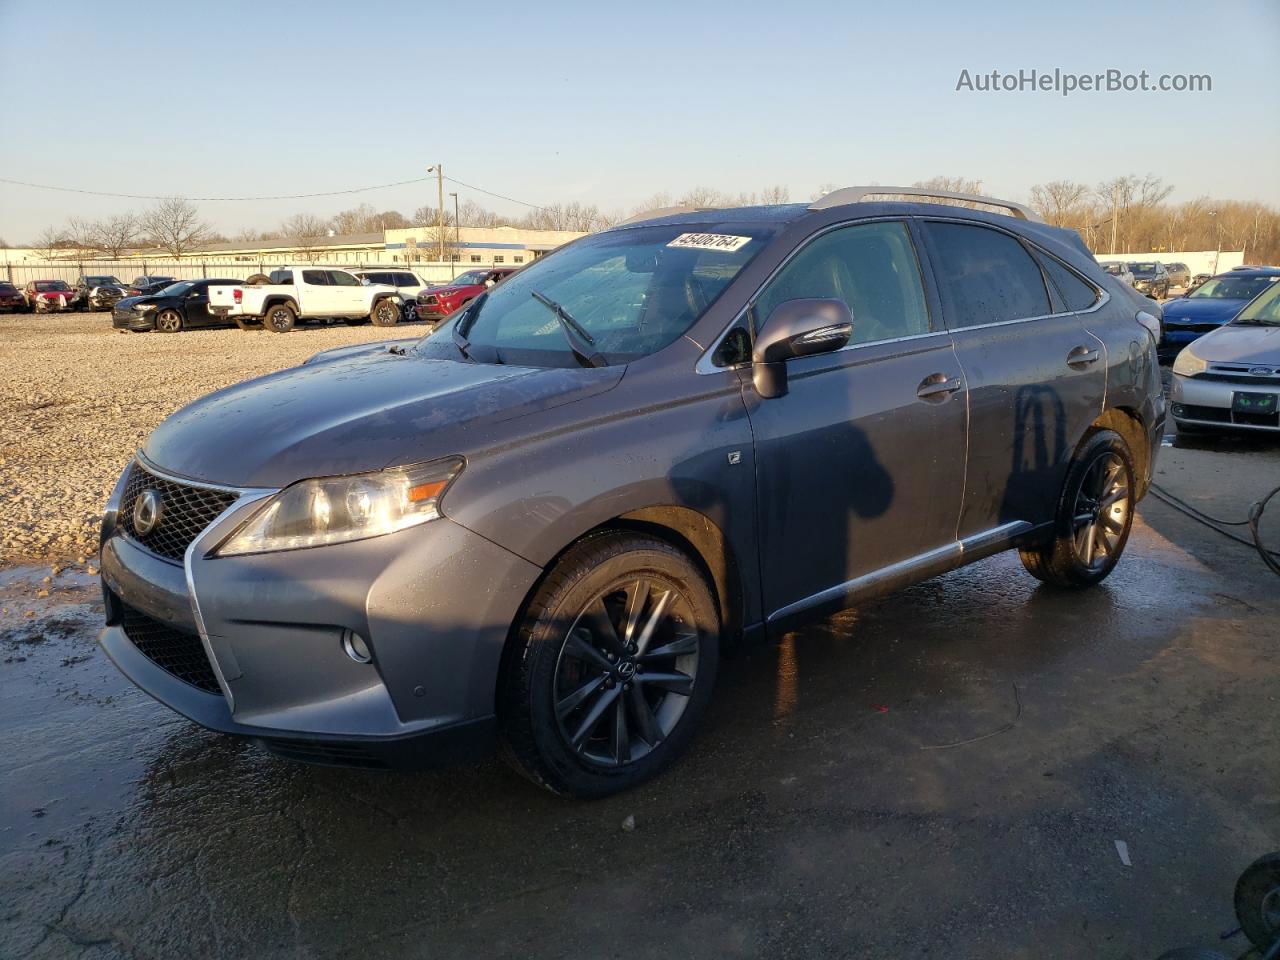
(303, 293)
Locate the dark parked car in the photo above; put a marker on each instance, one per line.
(98, 292)
(144, 286)
(438, 302)
(176, 307)
(1211, 304)
(1150, 278)
(544, 520)
(11, 299)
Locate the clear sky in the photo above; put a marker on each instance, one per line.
(609, 103)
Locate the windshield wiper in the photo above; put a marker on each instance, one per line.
(580, 342)
(1259, 321)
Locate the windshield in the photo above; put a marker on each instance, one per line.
(1228, 287)
(99, 281)
(51, 286)
(632, 291)
(1142, 269)
(1113, 268)
(468, 279)
(1265, 309)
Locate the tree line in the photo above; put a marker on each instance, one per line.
(1126, 214)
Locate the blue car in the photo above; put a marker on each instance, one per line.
(1212, 304)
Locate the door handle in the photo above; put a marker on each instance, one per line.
(1082, 357)
(937, 385)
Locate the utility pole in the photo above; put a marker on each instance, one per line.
(439, 172)
(457, 236)
(1115, 216)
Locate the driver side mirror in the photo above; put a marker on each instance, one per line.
(797, 328)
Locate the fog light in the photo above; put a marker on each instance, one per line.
(355, 647)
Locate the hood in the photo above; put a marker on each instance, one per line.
(127, 302)
(1241, 343)
(356, 414)
(1202, 309)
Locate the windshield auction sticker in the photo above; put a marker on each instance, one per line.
(710, 241)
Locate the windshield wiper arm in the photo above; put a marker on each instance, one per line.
(580, 342)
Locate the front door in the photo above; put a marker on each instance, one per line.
(860, 465)
(350, 293)
(1036, 377)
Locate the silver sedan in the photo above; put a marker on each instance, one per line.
(1230, 378)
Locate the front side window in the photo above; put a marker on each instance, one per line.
(871, 267)
(985, 276)
(340, 278)
(633, 291)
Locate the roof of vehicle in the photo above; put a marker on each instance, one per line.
(1255, 269)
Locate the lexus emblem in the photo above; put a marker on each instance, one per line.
(147, 510)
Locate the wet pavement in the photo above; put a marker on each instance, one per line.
(945, 772)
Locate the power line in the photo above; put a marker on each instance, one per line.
(143, 196)
(523, 203)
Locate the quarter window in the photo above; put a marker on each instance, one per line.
(871, 267)
(985, 276)
(1077, 294)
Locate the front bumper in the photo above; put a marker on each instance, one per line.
(435, 604)
(130, 320)
(1197, 401)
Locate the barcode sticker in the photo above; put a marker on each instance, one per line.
(710, 241)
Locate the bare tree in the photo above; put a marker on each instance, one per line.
(51, 241)
(307, 233)
(777, 193)
(174, 225)
(115, 235)
(1059, 201)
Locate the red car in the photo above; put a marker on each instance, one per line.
(435, 303)
(11, 299)
(47, 295)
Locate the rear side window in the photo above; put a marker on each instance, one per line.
(316, 277)
(985, 276)
(871, 267)
(281, 276)
(1077, 294)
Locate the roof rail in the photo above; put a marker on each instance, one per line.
(657, 212)
(838, 198)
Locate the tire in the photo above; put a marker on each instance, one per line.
(1094, 516)
(384, 314)
(570, 661)
(280, 318)
(410, 312)
(1257, 901)
(168, 321)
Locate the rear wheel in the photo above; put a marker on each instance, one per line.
(410, 312)
(384, 314)
(280, 318)
(1257, 901)
(1095, 514)
(168, 321)
(612, 666)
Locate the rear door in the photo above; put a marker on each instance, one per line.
(860, 465)
(1036, 376)
(318, 295)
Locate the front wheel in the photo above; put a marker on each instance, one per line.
(612, 666)
(1095, 514)
(280, 318)
(168, 321)
(384, 314)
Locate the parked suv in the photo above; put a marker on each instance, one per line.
(436, 303)
(1179, 275)
(1151, 278)
(544, 520)
(100, 292)
(408, 283)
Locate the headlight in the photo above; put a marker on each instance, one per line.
(1188, 364)
(312, 513)
(144, 306)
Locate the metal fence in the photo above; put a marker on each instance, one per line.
(21, 274)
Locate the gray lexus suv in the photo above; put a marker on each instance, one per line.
(540, 525)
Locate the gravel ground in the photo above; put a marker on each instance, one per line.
(78, 397)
